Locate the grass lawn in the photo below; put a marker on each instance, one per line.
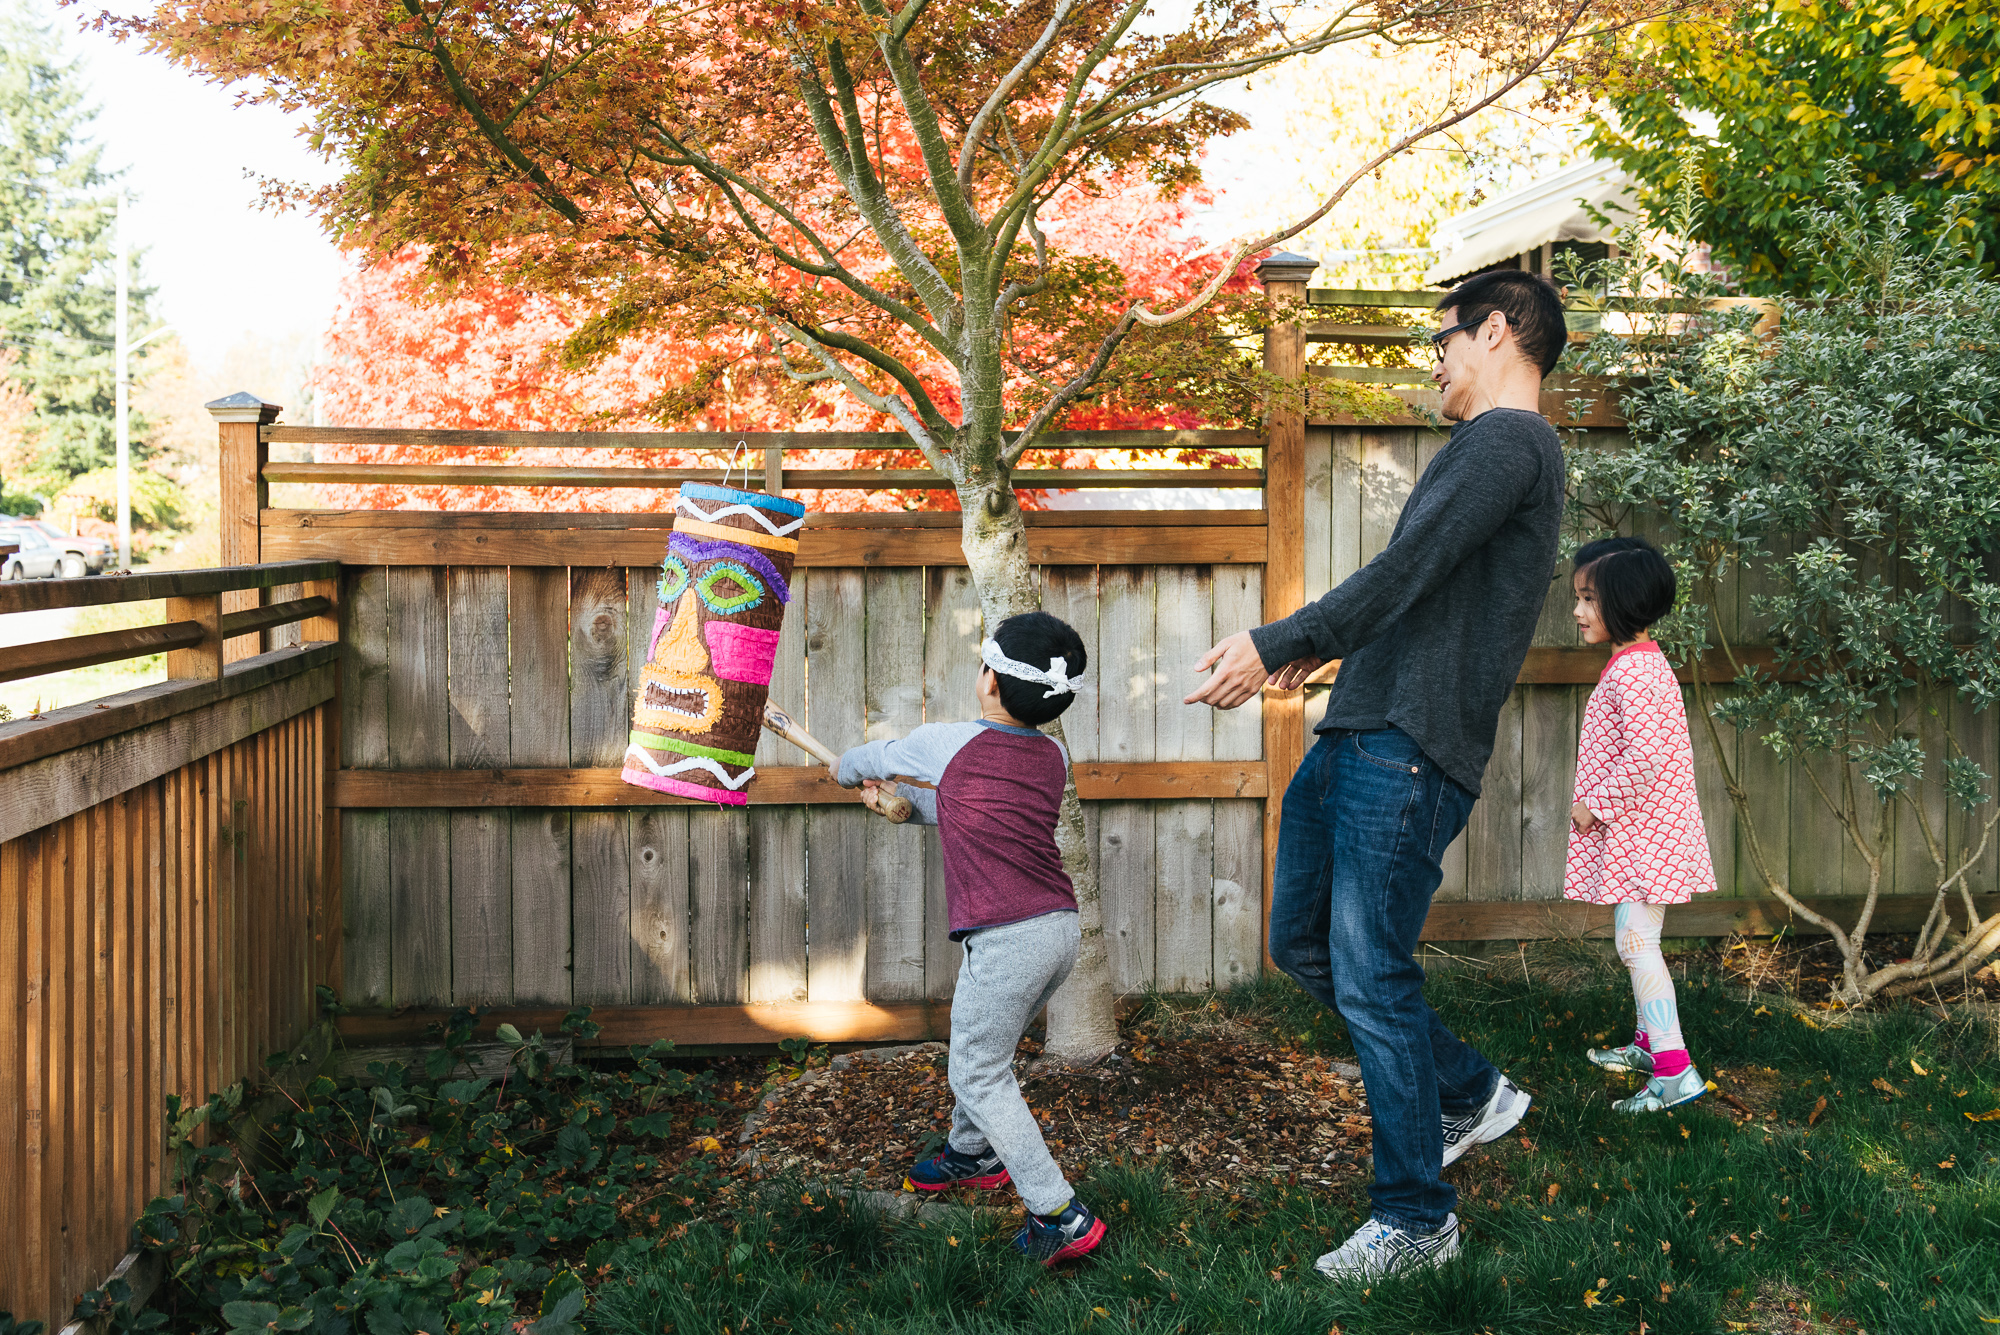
(1880, 1213)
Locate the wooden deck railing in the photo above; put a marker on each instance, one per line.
(165, 899)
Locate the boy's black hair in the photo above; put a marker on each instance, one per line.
(1532, 304)
(1634, 585)
(1034, 638)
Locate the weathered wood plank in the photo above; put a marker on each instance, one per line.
(1239, 605)
(1493, 846)
(469, 544)
(717, 891)
(356, 789)
(659, 521)
(836, 871)
(660, 953)
(538, 725)
(778, 834)
(1238, 907)
(1183, 832)
(1070, 593)
(1128, 684)
(482, 920)
(1549, 724)
(44, 595)
(419, 738)
(807, 479)
(600, 722)
(893, 692)
(722, 442)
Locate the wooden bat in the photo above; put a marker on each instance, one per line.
(894, 806)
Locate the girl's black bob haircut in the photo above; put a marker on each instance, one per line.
(1034, 638)
(1634, 585)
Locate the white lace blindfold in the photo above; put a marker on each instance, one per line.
(1056, 676)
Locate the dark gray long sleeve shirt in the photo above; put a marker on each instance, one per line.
(1433, 631)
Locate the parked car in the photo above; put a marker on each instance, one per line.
(35, 558)
(79, 556)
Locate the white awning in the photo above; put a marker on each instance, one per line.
(1559, 208)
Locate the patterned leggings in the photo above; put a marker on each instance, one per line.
(1637, 929)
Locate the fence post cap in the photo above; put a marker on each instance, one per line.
(243, 406)
(1285, 267)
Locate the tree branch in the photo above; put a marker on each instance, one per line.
(494, 135)
(903, 412)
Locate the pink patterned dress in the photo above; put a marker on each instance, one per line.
(1635, 772)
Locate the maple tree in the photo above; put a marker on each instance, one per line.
(863, 190)
(398, 353)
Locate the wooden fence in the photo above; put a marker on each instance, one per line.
(163, 903)
(386, 759)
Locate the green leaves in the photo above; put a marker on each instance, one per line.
(407, 1204)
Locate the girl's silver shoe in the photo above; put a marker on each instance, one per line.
(1631, 1058)
(1662, 1094)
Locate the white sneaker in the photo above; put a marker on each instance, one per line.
(1378, 1249)
(1500, 1114)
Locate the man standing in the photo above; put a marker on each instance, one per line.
(1431, 635)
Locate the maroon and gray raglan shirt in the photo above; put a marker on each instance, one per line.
(995, 796)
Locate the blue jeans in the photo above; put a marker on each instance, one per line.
(1364, 823)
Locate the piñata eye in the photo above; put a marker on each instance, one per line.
(673, 579)
(729, 588)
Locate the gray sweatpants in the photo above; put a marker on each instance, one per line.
(1009, 973)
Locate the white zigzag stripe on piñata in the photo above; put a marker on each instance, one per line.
(735, 785)
(760, 515)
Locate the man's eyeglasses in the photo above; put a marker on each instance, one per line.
(1438, 339)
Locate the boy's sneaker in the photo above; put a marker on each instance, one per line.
(1379, 1249)
(1662, 1093)
(952, 1169)
(1631, 1058)
(1072, 1233)
(1501, 1113)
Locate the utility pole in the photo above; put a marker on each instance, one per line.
(124, 393)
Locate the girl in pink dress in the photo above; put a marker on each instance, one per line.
(1636, 837)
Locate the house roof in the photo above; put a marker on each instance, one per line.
(1555, 208)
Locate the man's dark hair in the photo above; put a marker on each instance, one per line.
(1034, 638)
(1634, 585)
(1532, 304)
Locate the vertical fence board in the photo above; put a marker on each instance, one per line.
(1125, 722)
(1718, 817)
(419, 738)
(1493, 845)
(1070, 592)
(368, 920)
(15, 987)
(600, 722)
(660, 906)
(893, 690)
(836, 875)
(538, 729)
(1238, 902)
(1183, 832)
(717, 871)
(482, 918)
(1548, 778)
(778, 835)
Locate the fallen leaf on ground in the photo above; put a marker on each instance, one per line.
(1818, 1110)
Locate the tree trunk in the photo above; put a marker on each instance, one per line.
(1083, 1018)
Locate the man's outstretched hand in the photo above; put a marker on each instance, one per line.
(1238, 673)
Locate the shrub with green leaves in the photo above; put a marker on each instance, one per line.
(1849, 466)
(428, 1200)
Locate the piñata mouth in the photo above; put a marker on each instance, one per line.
(689, 703)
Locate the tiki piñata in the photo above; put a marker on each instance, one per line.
(723, 590)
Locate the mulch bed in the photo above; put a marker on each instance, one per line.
(1808, 969)
(1220, 1110)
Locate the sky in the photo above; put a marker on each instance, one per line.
(226, 270)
